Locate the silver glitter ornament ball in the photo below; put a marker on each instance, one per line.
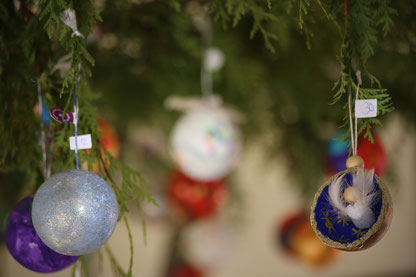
(74, 212)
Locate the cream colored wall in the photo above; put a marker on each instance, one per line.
(268, 196)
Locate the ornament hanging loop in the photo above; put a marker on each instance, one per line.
(354, 131)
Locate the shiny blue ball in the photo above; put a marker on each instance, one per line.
(74, 212)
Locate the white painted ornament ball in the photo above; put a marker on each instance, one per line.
(74, 212)
(205, 144)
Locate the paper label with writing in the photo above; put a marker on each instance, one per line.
(366, 108)
(83, 142)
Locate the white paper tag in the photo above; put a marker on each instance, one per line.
(83, 142)
(366, 108)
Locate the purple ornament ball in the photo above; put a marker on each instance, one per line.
(25, 245)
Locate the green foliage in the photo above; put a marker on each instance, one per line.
(303, 11)
(358, 45)
(117, 269)
(31, 47)
(384, 16)
(262, 85)
(234, 11)
(87, 16)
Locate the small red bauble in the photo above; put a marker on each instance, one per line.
(373, 154)
(196, 199)
(186, 270)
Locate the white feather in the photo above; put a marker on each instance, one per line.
(362, 180)
(360, 212)
(336, 197)
(364, 192)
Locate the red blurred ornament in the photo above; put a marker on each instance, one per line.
(299, 240)
(109, 138)
(374, 155)
(186, 270)
(196, 199)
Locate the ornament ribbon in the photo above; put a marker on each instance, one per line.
(69, 19)
(76, 110)
(47, 161)
(42, 131)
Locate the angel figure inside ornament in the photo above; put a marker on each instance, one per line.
(352, 210)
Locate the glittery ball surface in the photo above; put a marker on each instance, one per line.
(26, 246)
(74, 212)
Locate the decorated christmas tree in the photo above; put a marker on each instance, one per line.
(123, 111)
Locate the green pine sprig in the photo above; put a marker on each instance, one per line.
(361, 37)
(87, 16)
(235, 10)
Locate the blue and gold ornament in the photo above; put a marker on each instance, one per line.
(352, 210)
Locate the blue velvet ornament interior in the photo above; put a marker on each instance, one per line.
(334, 228)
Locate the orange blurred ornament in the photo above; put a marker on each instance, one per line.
(299, 240)
(109, 138)
(196, 199)
(109, 141)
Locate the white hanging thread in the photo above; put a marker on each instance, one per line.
(68, 18)
(354, 135)
(50, 156)
(362, 188)
(212, 58)
(206, 38)
(78, 269)
(76, 110)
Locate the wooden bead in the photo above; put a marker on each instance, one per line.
(349, 195)
(355, 161)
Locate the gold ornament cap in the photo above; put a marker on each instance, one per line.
(355, 161)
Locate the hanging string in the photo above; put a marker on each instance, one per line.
(359, 82)
(76, 110)
(204, 25)
(354, 132)
(78, 269)
(42, 131)
(351, 128)
(206, 80)
(50, 141)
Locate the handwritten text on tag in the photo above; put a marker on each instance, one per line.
(83, 142)
(366, 108)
